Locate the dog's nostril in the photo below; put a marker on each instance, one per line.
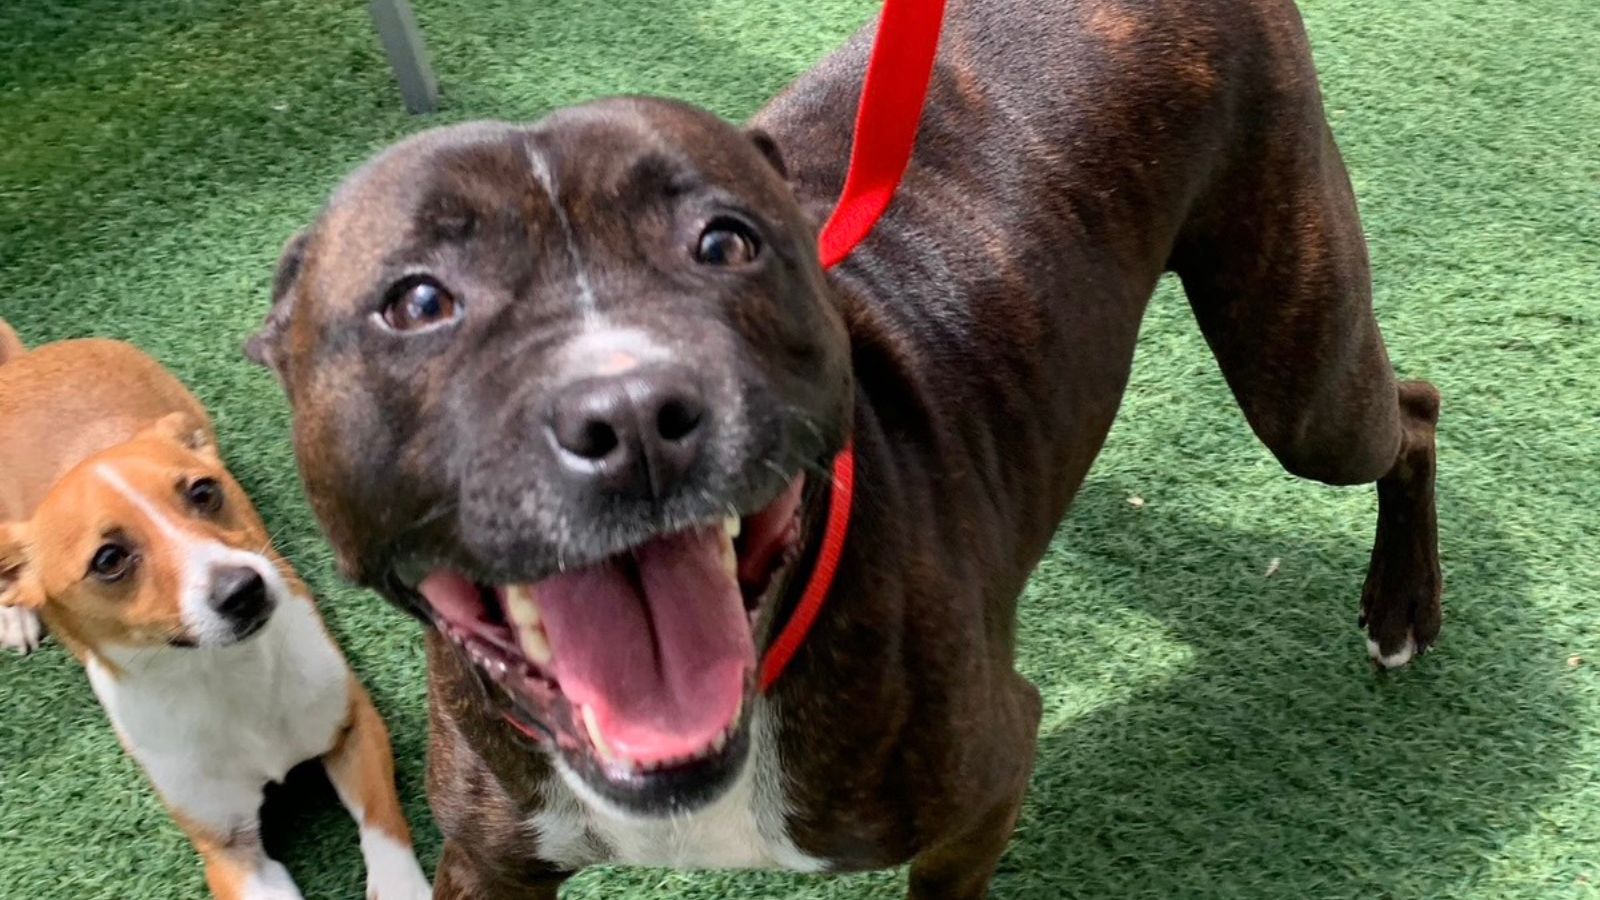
(678, 418)
(590, 435)
(595, 440)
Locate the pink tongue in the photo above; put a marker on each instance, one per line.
(663, 669)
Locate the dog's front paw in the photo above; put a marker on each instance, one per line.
(1400, 610)
(1401, 655)
(1401, 623)
(20, 629)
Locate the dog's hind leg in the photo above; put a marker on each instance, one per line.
(361, 767)
(1275, 266)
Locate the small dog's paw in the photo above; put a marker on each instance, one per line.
(20, 629)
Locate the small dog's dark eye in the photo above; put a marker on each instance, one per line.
(204, 495)
(417, 304)
(727, 242)
(110, 562)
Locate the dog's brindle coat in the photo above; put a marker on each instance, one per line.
(1070, 154)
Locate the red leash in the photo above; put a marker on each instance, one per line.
(886, 133)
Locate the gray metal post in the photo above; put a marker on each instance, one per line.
(397, 27)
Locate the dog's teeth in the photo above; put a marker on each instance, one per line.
(521, 608)
(721, 741)
(731, 525)
(592, 725)
(730, 557)
(535, 645)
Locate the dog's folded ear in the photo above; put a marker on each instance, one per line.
(182, 429)
(265, 347)
(19, 578)
(769, 148)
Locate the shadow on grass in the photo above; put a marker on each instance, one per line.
(1275, 762)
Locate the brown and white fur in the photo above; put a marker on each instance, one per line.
(122, 530)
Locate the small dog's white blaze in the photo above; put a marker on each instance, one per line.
(200, 557)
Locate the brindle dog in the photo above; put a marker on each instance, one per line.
(568, 392)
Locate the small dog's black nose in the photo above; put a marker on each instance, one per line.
(238, 593)
(637, 433)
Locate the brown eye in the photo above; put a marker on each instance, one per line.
(204, 494)
(417, 304)
(110, 562)
(727, 242)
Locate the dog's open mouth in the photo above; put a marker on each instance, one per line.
(642, 663)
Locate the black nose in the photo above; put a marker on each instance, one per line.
(238, 593)
(637, 433)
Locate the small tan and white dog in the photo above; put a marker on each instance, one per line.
(121, 528)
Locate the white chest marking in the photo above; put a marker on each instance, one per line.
(743, 829)
(212, 726)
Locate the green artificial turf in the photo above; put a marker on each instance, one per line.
(1209, 731)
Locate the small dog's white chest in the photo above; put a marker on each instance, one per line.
(743, 829)
(212, 727)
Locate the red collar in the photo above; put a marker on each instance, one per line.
(840, 501)
(886, 132)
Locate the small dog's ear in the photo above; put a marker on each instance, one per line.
(19, 577)
(769, 149)
(265, 347)
(181, 429)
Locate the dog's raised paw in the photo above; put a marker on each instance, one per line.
(20, 630)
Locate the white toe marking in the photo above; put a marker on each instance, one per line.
(392, 869)
(271, 882)
(19, 629)
(1396, 659)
